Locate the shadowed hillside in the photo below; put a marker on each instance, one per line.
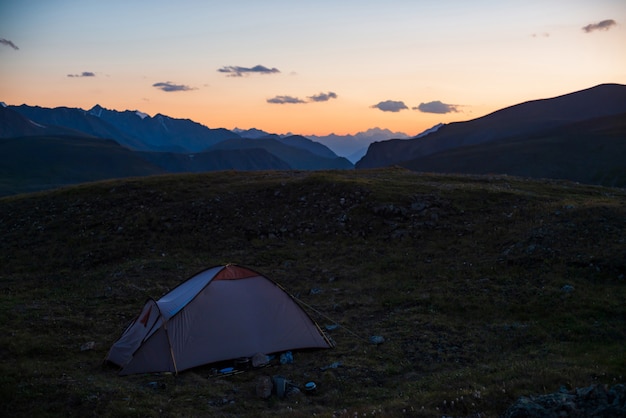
(483, 288)
(35, 163)
(523, 121)
(592, 152)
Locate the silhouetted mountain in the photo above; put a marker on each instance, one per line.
(303, 143)
(592, 151)
(253, 133)
(45, 162)
(132, 129)
(517, 121)
(65, 119)
(163, 132)
(13, 124)
(244, 160)
(297, 158)
(578, 136)
(65, 146)
(353, 147)
(138, 131)
(297, 141)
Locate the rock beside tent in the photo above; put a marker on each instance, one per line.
(592, 401)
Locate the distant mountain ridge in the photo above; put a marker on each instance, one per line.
(355, 146)
(132, 143)
(514, 121)
(579, 136)
(138, 132)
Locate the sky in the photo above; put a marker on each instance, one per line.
(308, 67)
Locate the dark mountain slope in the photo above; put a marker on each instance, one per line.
(44, 162)
(74, 120)
(518, 120)
(297, 158)
(301, 142)
(223, 159)
(128, 128)
(592, 151)
(13, 124)
(162, 132)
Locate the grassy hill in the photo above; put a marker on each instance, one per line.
(592, 152)
(485, 288)
(45, 162)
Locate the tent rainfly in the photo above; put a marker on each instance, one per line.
(221, 313)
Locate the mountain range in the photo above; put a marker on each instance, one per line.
(47, 147)
(579, 136)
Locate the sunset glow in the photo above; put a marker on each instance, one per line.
(308, 67)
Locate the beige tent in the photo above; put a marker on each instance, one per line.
(222, 313)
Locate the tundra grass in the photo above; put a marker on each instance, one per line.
(484, 289)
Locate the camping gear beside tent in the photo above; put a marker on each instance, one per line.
(222, 313)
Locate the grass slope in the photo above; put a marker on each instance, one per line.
(44, 162)
(592, 152)
(466, 278)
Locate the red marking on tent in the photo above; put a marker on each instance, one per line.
(234, 273)
(144, 319)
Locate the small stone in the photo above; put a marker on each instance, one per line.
(88, 346)
(377, 339)
(286, 357)
(259, 360)
(264, 387)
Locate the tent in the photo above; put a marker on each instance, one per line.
(222, 313)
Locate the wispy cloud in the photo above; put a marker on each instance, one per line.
(236, 71)
(436, 107)
(6, 42)
(83, 74)
(285, 100)
(323, 97)
(390, 106)
(602, 25)
(542, 35)
(168, 86)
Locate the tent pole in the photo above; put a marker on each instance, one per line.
(171, 349)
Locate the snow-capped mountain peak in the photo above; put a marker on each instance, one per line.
(141, 114)
(429, 130)
(96, 110)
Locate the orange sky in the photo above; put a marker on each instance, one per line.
(369, 64)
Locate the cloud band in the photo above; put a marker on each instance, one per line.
(602, 25)
(236, 71)
(168, 86)
(83, 74)
(321, 97)
(8, 43)
(390, 106)
(436, 107)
